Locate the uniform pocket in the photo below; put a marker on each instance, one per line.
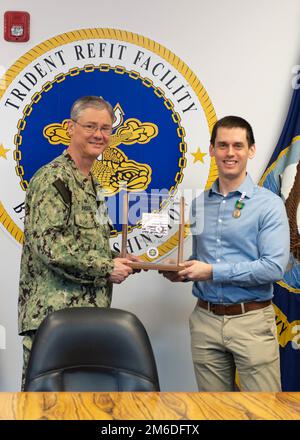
(90, 234)
(87, 231)
(85, 220)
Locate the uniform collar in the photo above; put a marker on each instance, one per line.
(83, 181)
(246, 186)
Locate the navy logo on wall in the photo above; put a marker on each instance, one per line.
(162, 123)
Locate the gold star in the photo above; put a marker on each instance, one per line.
(199, 156)
(3, 151)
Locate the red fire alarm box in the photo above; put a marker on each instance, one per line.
(16, 26)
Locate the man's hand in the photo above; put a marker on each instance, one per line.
(171, 275)
(121, 270)
(196, 271)
(132, 257)
(135, 259)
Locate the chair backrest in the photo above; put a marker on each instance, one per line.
(91, 349)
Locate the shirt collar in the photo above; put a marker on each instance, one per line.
(80, 178)
(246, 186)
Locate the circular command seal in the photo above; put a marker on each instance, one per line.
(162, 124)
(152, 252)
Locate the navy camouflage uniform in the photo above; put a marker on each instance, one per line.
(66, 259)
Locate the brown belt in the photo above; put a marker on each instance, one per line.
(232, 309)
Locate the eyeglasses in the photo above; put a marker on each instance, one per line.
(92, 128)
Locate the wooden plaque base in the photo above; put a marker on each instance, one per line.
(155, 266)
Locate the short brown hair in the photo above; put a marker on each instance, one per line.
(233, 122)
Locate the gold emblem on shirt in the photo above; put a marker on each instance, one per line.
(236, 213)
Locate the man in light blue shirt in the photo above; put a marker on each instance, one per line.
(242, 249)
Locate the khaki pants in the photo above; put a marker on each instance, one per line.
(247, 342)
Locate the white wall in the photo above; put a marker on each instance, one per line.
(243, 53)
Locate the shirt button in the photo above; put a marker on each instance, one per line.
(220, 220)
(218, 260)
(218, 240)
(224, 201)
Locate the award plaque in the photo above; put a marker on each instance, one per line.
(160, 221)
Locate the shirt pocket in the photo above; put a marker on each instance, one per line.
(88, 232)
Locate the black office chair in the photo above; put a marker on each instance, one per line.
(91, 349)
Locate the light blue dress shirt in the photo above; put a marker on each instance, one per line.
(247, 253)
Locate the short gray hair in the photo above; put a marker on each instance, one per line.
(85, 102)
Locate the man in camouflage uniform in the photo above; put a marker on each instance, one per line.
(66, 259)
